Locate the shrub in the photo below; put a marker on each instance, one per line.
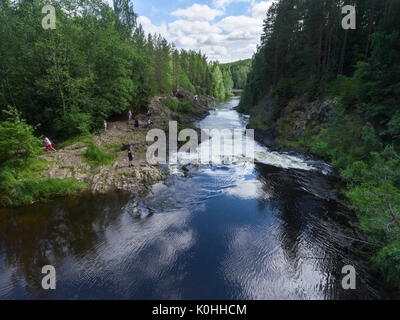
(22, 183)
(186, 106)
(95, 156)
(172, 104)
(27, 191)
(387, 261)
(16, 137)
(73, 124)
(347, 89)
(285, 88)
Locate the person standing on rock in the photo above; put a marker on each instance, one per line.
(48, 144)
(130, 157)
(130, 116)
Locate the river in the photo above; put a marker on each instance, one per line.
(273, 229)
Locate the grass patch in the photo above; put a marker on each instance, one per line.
(114, 147)
(85, 139)
(22, 183)
(95, 156)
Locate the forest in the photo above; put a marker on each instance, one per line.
(97, 63)
(305, 52)
(239, 71)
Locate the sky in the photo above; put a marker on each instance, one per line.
(225, 30)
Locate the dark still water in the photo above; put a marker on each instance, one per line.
(269, 230)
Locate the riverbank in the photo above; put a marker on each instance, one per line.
(273, 231)
(331, 130)
(99, 163)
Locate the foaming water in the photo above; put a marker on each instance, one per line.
(265, 229)
(225, 117)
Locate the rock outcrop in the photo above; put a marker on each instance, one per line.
(69, 162)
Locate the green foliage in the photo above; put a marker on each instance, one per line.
(394, 126)
(302, 53)
(239, 71)
(172, 104)
(73, 124)
(96, 157)
(387, 261)
(114, 147)
(285, 88)
(97, 63)
(346, 88)
(16, 137)
(373, 177)
(27, 191)
(71, 141)
(22, 182)
(186, 106)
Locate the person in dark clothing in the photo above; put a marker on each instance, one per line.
(130, 157)
(137, 124)
(148, 114)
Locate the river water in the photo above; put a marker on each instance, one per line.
(273, 229)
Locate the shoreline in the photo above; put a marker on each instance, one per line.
(71, 165)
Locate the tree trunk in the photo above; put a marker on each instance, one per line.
(370, 28)
(320, 48)
(58, 81)
(341, 63)
(329, 43)
(276, 61)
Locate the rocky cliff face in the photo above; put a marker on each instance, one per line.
(298, 117)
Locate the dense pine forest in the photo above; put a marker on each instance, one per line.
(307, 56)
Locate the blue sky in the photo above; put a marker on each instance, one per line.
(225, 30)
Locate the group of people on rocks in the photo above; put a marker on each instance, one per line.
(136, 121)
(49, 145)
(137, 125)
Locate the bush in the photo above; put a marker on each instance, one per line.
(16, 137)
(74, 123)
(27, 191)
(285, 88)
(394, 126)
(186, 106)
(172, 104)
(95, 156)
(387, 261)
(347, 89)
(22, 183)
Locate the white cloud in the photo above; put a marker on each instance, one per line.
(149, 27)
(259, 10)
(248, 51)
(232, 38)
(225, 3)
(180, 27)
(198, 12)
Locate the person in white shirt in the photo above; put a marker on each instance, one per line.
(48, 144)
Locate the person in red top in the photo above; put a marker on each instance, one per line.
(48, 144)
